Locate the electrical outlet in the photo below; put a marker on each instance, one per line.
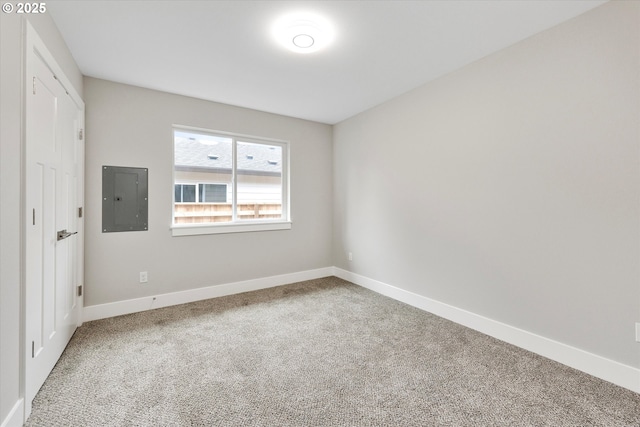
(638, 331)
(350, 256)
(144, 278)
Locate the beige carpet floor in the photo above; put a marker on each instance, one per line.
(317, 353)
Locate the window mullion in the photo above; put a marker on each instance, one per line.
(234, 180)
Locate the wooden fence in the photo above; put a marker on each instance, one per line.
(194, 213)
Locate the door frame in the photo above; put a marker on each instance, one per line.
(34, 45)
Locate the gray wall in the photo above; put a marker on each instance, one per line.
(131, 126)
(11, 68)
(510, 188)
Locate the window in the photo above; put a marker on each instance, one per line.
(228, 183)
(185, 193)
(212, 193)
(207, 193)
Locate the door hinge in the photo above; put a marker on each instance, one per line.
(80, 212)
(34, 85)
(33, 349)
(80, 134)
(80, 290)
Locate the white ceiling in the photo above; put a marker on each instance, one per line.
(223, 51)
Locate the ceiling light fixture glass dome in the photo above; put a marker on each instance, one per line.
(303, 32)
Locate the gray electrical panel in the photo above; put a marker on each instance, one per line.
(124, 199)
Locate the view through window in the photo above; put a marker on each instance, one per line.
(223, 178)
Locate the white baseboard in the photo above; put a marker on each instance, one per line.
(15, 417)
(102, 311)
(600, 367)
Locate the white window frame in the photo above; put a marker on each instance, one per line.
(236, 225)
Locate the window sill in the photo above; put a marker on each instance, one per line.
(198, 229)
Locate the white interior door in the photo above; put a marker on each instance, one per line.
(52, 180)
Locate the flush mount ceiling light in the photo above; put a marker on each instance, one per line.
(303, 32)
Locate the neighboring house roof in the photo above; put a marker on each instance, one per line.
(193, 155)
